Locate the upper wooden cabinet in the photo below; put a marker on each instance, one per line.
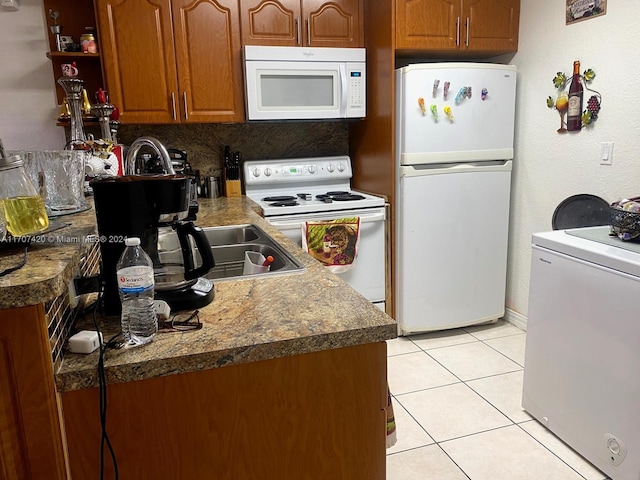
(465, 26)
(172, 61)
(315, 23)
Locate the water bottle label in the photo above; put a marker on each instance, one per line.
(135, 279)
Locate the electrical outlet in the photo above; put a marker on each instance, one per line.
(606, 153)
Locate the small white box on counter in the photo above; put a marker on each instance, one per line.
(85, 341)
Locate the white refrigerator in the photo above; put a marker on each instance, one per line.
(454, 152)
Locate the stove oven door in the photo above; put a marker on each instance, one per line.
(368, 275)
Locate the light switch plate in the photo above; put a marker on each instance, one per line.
(606, 153)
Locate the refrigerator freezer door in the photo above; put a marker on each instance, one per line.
(451, 246)
(481, 129)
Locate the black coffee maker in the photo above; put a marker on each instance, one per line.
(153, 207)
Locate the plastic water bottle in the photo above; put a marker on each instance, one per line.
(135, 284)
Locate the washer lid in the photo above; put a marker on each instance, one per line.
(583, 210)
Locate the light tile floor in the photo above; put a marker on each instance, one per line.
(456, 398)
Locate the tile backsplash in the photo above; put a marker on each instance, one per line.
(204, 143)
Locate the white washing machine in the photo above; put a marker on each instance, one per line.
(582, 361)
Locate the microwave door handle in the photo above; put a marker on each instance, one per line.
(344, 91)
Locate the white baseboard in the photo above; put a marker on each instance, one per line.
(516, 319)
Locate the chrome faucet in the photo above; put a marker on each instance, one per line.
(156, 145)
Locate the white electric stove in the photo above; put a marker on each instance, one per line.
(297, 190)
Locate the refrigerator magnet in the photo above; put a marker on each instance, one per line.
(436, 83)
(434, 111)
(421, 105)
(445, 92)
(448, 112)
(484, 93)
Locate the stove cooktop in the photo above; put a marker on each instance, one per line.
(304, 185)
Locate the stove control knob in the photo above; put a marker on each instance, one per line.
(267, 172)
(256, 172)
(312, 169)
(341, 167)
(331, 167)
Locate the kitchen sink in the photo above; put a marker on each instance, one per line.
(229, 244)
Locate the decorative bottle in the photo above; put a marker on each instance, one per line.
(574, 112)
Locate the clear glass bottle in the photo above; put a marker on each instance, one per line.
(22, 206)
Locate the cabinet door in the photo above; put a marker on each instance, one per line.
(333, 24)
(31, 433)
(207, 39)
(271, 22)
(428, 24)
(491, 25)
(139, 59)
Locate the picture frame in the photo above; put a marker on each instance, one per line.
(579, 10)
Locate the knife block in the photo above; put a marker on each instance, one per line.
(232, 188)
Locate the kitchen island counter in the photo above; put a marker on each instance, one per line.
(286, 379)
(249, 319)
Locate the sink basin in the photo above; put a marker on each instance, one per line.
(230, 243)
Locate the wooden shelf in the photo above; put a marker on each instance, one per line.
(72, 55)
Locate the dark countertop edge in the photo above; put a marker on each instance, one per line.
(87, 378)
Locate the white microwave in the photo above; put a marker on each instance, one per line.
(296, 83)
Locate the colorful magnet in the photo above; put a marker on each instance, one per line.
(484, 94)
(446, 90)
(448, 113)
(468, 92)
(436, 83)
(421, 105)
(462, 93)
(434, 111)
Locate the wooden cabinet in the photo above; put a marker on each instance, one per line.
(464, 26)
(74, 16)
(315, 23)
(172, 61)
(317, 415)
(31, 436)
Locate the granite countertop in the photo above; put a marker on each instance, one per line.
(249, 320)
(53, 258)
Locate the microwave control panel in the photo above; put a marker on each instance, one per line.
(357, 90)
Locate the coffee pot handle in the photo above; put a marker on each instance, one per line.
(185, 230)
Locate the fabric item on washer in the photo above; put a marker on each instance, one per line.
(334, 243)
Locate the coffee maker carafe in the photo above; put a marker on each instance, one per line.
(153, 208)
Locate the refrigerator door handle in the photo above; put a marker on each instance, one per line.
(458, 32)
(412, 171)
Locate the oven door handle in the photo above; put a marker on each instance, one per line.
(295, 223)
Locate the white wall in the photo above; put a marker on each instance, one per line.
(550, 167)
(28, 109)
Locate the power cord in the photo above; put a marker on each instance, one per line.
(22, 263)
(102, 381)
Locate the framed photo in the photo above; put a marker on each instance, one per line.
(578, 10)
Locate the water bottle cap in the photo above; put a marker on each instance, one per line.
(132, 242)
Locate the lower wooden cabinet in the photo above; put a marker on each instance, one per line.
(319, 415)
(31, 434)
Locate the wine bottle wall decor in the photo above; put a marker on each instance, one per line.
(575, 99)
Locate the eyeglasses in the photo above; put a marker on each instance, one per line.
(181, 322)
